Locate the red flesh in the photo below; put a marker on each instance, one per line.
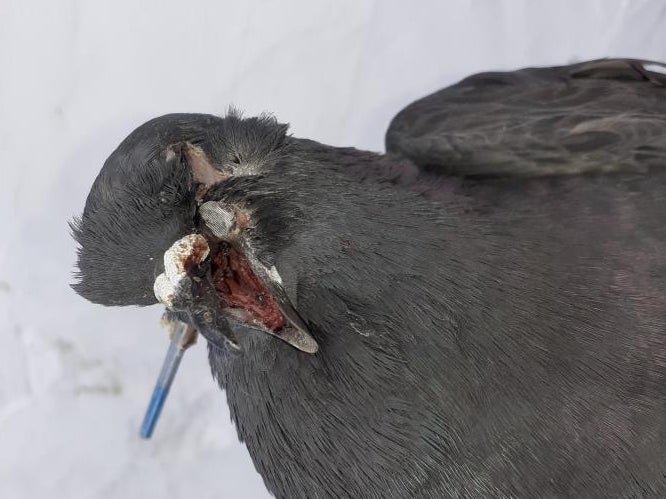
(238, 287)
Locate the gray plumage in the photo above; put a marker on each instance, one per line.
(593, 117)
(489, 301)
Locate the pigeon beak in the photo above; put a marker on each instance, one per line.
(295, 331)
(225, 224)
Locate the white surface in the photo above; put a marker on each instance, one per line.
(78, 76)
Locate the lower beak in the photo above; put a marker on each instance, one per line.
(294, 332)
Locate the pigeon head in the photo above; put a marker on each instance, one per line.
(195, 211)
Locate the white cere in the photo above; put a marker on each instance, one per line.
(164, 290)
(192, 247)
(180, 251)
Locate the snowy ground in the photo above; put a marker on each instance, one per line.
(79, 76)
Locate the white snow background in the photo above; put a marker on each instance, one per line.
(78, 76)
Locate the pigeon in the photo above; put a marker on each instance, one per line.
(479, 312)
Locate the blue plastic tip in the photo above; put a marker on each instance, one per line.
(164, 381)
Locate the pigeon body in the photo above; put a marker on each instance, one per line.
(489, 321)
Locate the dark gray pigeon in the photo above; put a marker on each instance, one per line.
(479, 313)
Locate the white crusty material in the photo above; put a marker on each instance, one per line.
(164, 289)
(192, 249)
